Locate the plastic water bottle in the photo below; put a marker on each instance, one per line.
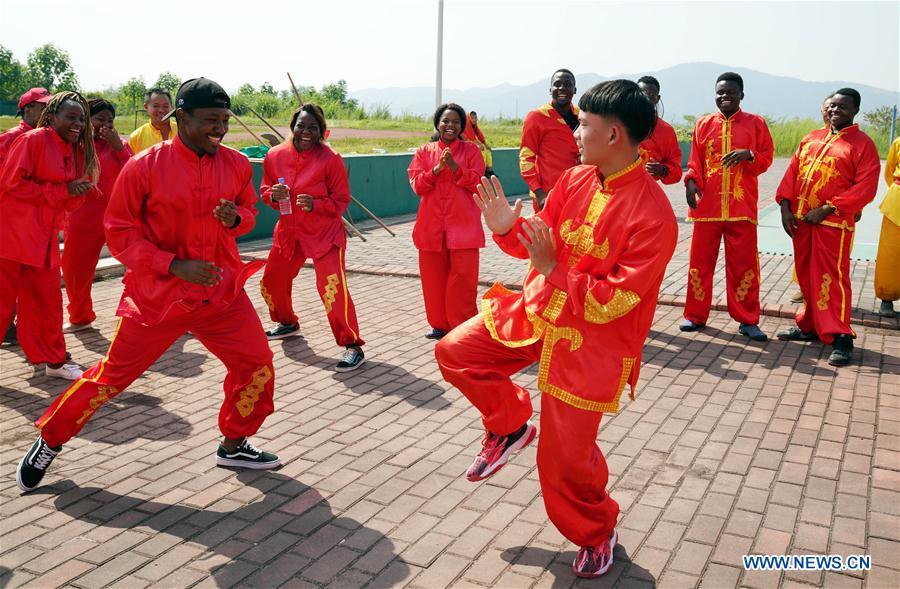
(284, 205)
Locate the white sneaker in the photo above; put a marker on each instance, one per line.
(68, 371)
(73, 327)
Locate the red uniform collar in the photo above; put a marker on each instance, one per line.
(733, 117)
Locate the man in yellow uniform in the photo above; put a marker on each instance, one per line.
(157, 103)
(887, 264)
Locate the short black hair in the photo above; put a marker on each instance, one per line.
(472, 112)
(562, 70)
(98, 105)
(731, 77)
(857, 99)
(455, 108)
(161, 91)
(650, 81)
(623, 100)
(316, 111)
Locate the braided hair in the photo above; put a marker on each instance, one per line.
(86, 141)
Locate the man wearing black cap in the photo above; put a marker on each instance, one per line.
(172, 220)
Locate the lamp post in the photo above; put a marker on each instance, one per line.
(440, 54)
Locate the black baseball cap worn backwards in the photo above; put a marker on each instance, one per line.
(200, 93)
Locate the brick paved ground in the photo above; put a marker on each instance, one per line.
(729, 448)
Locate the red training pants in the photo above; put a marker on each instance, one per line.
(572, 470)
(331, 282)
(822, 260)
(33, 294)
(449, 286)
(741, 270)
(232, 333)
(79, 262)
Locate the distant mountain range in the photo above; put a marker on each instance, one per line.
(687, 89)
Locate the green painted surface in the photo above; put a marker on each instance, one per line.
(381, 183)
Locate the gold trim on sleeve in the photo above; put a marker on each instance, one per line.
(621, 303)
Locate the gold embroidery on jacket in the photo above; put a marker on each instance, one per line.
(331, 290)
(267, 297)
(619, 305)
(744, 287)
(526, 163)
(248, 397)
(104, 394)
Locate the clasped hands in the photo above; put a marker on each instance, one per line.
(536, 236)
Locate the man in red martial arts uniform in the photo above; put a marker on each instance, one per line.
(598, 254)
(172, 219)
(832, 176)
(548, 147)
(729, 150)
(660, 151)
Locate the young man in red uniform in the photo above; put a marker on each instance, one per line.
(173, 217)
(660, 151)
(729, 150)
(84, 237)
(598, 254)
(548, 147)
(832, 176)
(46, 174)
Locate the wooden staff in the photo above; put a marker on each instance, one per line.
(371, 214)
(260, 117)
(296, 93)
(255, 136)
(352, 230)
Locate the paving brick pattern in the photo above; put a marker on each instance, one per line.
(729, 448)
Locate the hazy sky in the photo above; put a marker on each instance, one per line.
(379, 43)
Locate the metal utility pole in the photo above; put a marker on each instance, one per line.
(893, 123)
(440, 55)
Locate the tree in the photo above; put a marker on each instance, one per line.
(880, 118)
(51, 68)
(169, 81)
(133, 92)
(246, 90)
(12, 76)
(267, 88)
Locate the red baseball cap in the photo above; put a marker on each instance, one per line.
(34, 95)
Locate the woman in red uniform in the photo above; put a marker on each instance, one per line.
(84, 227)
(46, 173)
(448, 231)
(306, 181)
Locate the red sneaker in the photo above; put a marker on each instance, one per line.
(497, 450)
(593, 561)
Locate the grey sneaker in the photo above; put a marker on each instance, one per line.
(246, 455)
(34, 464)
(282, 331)
(352, 358)
(753, 332)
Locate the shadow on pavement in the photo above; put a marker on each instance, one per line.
(287, 507)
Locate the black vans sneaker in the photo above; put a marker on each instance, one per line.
(282, 331)
(842, 352)
(352, 358)
(34, 464)
(246, 455)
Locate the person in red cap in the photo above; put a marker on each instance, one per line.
(46, 174)
(84, 226)
(31, 105)
(448, 231)
(309, 180)
(172, 220)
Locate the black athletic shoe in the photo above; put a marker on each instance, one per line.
(435, 333)
(795, 335)
(688, 325)
(10, 337)
(34, 464)
(842, 354)
(246, 455)
(282, 331)
(887, 309)
(352, 358)
(753, 332)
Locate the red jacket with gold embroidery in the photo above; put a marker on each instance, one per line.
(161, 208)
(840, 169)
(34, 196)
(614, 238)
(448, 216)
(10, 135)
(728, 194)
(88, 218)
(662, 146)
(548, 147)
(320, 173)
